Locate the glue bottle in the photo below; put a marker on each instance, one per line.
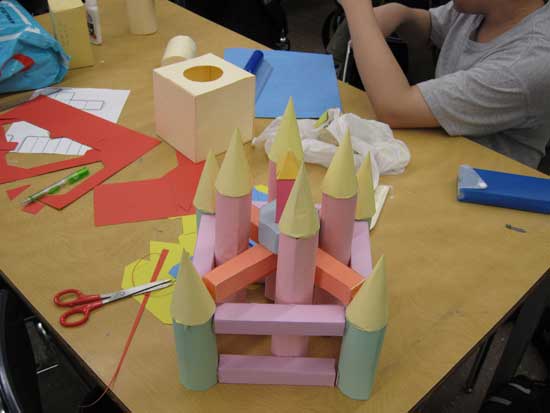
(94, 26)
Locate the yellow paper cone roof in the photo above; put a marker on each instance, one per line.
(205, 197)
(288, 166)
(340, 181)
(234, 178)
(365, 192)
(287, 137)
(299, 218)
(192, 304)
(368, 311)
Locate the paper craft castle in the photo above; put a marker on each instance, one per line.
(318, 268)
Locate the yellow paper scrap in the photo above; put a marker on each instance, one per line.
(366, 206)
(299, 218)
(287, 167)
(192, 304)
(262, 188)
(205, 196)
(340, 181)
(140, 272)
(287, 137)
(322, 119)
(234, 179)
(369, 310)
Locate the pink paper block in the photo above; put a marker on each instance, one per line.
(269, 289)
(294, 285)
(284, 186)
(300, 371)
(203, 257)
(337, 221)
(232, 226)
(361, 258)
(289, 319)
(272, 181)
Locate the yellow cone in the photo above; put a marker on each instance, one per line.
(369, 310)
(234, 178)
(205, 197)
(287, 137)
(192, 304)
(365, 192)
(299, 218)
(340, 181)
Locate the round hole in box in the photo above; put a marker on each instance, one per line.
(203, 73)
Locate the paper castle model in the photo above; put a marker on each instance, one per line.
(318, 268)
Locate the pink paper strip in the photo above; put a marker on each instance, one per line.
(232, 231)
(284, 186)
(203, 257)
(288, 319)
(295, 279)
(299, 371)
(361, 258)
(337, 220)
(272, 181)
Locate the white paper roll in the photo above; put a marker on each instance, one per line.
(142, 16)
(178, 49)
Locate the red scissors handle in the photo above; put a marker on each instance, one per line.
(73, 297)
(82, 310)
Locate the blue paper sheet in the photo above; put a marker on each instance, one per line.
(309, 78)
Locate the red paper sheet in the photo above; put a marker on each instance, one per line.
(113, 145)
(169, 196)
(33, 208)
(14, 192)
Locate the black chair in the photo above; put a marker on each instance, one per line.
(544, 165)
(18, 381)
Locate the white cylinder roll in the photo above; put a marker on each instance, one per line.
(178, 49)
(142, 16)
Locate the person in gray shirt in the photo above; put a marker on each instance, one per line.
(492, 81)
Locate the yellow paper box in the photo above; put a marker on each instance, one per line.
(200, 102)
(71, 30)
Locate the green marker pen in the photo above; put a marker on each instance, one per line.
(56, 186)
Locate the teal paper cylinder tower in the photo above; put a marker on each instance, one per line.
(366, 320)
(192, 313)
(197, 355)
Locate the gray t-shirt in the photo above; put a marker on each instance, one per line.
(495, 93)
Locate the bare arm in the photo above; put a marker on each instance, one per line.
(394, 100)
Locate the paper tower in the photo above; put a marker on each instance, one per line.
(200, 102)
(289, 250)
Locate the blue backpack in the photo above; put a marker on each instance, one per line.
(30, 58)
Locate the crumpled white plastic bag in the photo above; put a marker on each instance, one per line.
(389, 156)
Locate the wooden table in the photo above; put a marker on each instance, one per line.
(454, 270)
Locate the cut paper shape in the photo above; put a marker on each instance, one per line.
(258, 196)
(234, 179)
(113, 145)
(14, 192)
(299, 218)
(268, 231)
(380, 194)
(337, 221)
(33, 208)
(288, 166)
(168, 196)
(254, 223)
(237, 273)
(138, 271)
(205, 196)
(368, 311)
(340, 181)
(289, 319)
(200, 102)
(309, 78)
(366, 205)
(192, 304)
(104, 103)
(301, 371)
(287, 137)
(232, 226)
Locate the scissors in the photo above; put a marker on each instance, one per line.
(83, 304)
